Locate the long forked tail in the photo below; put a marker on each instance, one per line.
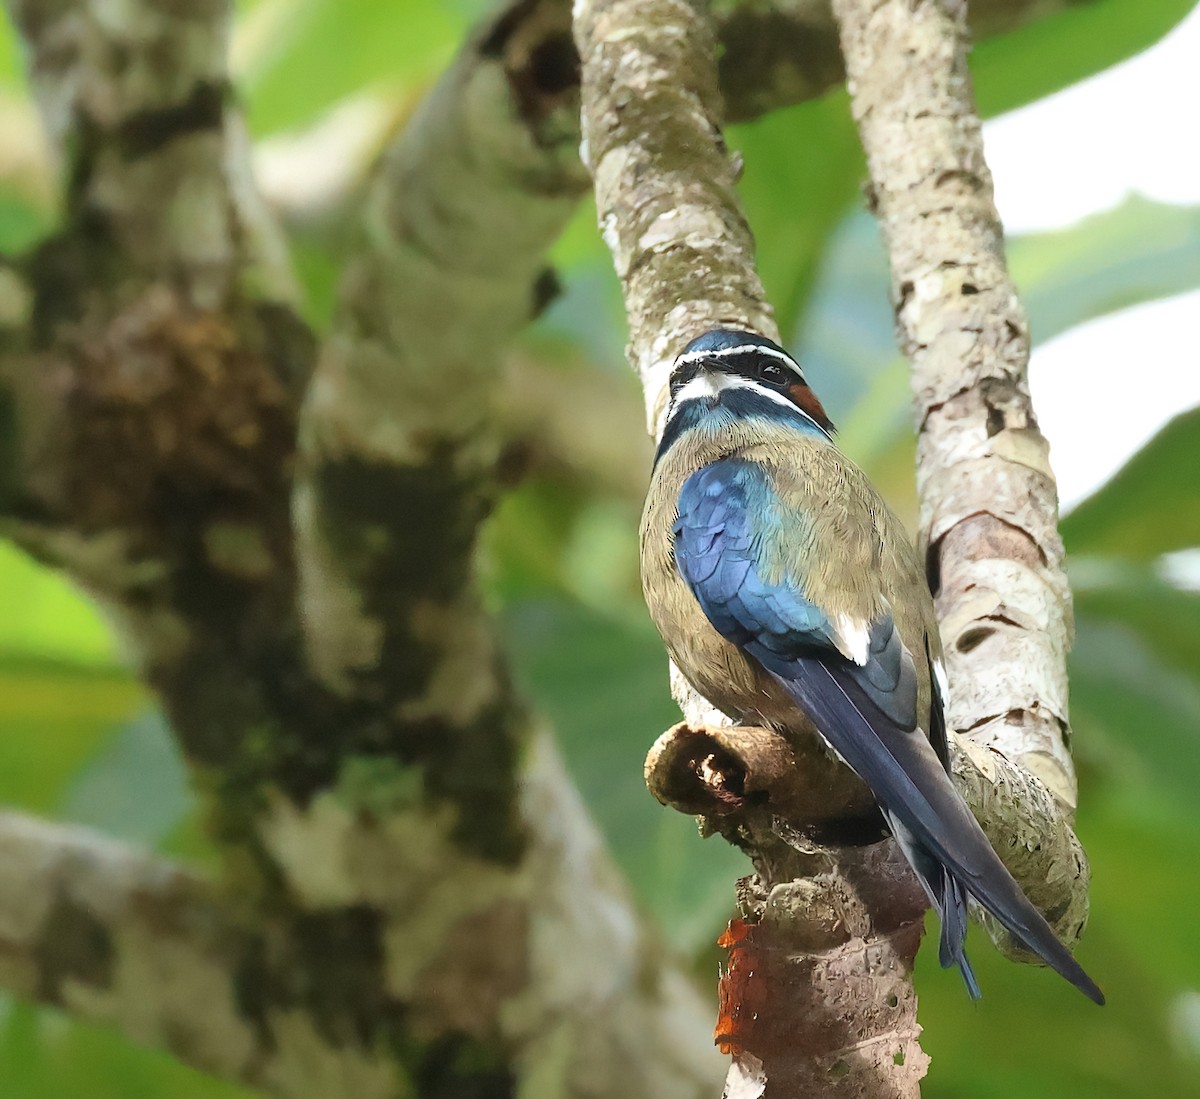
(916, 793)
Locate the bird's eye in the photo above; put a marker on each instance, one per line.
(771, 372)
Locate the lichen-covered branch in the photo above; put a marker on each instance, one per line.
(157, 350)
(428, 907)
(399, 431)
(989, 506)
(664, 181)
(401, 458)
(123, 938)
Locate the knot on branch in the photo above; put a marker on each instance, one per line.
(715, 771)
(730, 774)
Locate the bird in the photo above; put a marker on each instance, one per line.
(790, 596)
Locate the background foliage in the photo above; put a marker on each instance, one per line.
(80, 739)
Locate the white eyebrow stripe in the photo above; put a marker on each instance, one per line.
(741, 349)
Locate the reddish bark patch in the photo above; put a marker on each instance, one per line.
(741, 990)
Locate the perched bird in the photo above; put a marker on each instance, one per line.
(790, 596)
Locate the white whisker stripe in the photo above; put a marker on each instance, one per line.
(710, 383)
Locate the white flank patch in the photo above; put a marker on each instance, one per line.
(943, 684)
(853, 639)
(834, 752)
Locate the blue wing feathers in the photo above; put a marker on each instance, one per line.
(725, 511)
(721, 512)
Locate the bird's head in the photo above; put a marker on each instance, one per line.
(729, 374)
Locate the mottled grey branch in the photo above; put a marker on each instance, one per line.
(399, 435)
(989, 506)
(137, 99)
(401, 458)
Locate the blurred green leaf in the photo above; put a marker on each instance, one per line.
(550, 537)
(44, 1055)
(53, 718)
(319, 271)
(1152, 506)
(803, 170)
(1137, 715)
(22, 223)
(62, 694)
(527, 538)
(1052, 52)
(603, 683)
(849, 335)
(302, 57)
(11, 74)
(849, 354)
(1165, 617)
(589, 310)
(44, 616)
(1138, 251)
